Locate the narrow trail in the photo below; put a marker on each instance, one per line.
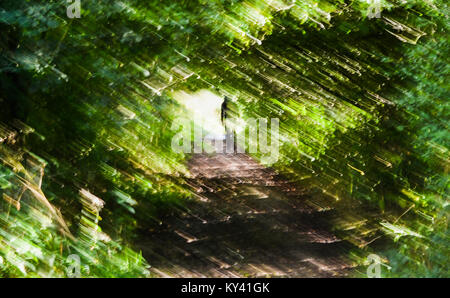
(246, 221)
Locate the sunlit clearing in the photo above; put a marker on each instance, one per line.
(204, 107)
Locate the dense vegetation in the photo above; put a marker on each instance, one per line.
(87, 107)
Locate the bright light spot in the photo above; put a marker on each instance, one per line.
(205, 109)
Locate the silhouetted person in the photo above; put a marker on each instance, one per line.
(224, 111)
(230, 144)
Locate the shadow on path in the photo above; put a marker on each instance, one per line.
(244, 222)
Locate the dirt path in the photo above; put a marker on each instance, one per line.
(245, 222)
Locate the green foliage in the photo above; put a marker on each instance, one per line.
(86, 117)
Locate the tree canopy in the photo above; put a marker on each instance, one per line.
(87, 107)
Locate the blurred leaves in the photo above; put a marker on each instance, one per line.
(87, 110)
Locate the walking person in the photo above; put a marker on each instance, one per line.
(229, 136)
(224, 112)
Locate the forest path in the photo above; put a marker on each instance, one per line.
(245, 222)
